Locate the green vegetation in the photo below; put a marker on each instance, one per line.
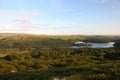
(117, 44)
(34, 57)
(101, 39)
(75, 64)
(24, 41)
(30, 42)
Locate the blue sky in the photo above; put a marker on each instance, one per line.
(60, 17)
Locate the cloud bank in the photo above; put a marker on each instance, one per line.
(22, 20)
(4, 12)
(22, 12)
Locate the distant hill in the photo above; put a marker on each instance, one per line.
(16, 36)
(23, 36)
(21, 40)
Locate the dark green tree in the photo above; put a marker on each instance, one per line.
(117, 44)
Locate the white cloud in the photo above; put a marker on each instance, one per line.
(30, 12)
(4, 11)
(22, 20)
(22, 12)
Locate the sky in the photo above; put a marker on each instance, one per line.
(60, 17)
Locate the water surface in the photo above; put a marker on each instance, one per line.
(96, 45)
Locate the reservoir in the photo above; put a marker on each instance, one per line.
(95, 45)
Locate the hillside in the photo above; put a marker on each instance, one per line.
(28, 56)
(30, 41)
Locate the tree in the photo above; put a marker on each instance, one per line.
(117, 44)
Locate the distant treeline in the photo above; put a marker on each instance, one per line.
(23, 42)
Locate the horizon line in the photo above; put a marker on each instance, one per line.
(61, 34)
